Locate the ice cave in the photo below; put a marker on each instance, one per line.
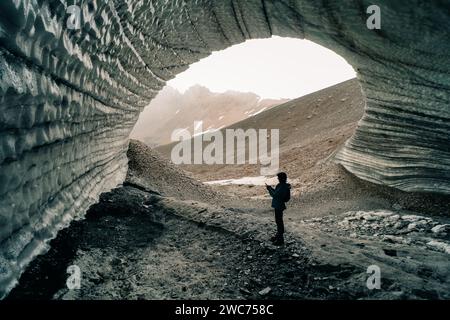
(71, 93)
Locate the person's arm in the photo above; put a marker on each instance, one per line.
(270, 189)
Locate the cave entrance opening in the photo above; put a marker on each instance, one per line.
(221, 119)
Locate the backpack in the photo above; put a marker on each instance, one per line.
(287, 195)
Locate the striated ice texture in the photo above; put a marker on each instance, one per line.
(69, 98)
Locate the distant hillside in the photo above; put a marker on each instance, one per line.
(171, 110)
(311, 127)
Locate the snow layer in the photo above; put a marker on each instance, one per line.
(69, 98)
(254, 181)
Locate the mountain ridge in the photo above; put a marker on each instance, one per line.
(172, 110)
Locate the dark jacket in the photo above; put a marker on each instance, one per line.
(279, 195)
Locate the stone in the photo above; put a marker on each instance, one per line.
(412, 218)
(400, 224)
(441, 229)
(393, 219)
(418, 225)
(117, 262)
(265, 291)
(392, 239)
(439, 246)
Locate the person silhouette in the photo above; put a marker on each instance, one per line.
(280, 195)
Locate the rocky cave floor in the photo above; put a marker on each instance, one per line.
(138, 245)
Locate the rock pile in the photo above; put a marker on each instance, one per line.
(388, 226)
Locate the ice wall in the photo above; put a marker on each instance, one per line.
(69, 97)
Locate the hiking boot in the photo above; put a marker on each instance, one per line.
(279, 241)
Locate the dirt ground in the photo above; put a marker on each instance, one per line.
(125, 254)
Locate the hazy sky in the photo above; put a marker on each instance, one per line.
(272, 68)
